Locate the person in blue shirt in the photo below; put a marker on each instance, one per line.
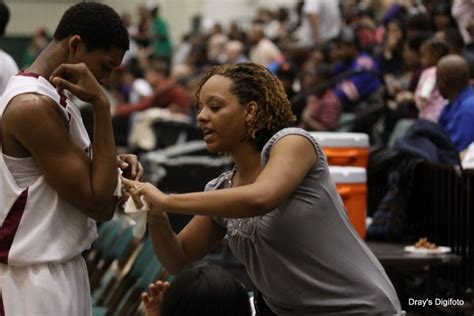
(457, 116)
(362, 79)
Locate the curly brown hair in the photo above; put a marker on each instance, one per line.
(252, 82)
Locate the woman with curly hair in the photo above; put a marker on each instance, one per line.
(278, 208)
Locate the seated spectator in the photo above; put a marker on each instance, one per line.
(359, 84)
(262, 51)
(323, 109)
(204, 290)
(427, 97)
(167, 94)
(457, 116)
(234, 52)
(391, 49)
(216, 43)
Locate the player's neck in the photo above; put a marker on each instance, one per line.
(48, 60)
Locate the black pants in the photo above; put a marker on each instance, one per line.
(261, 307)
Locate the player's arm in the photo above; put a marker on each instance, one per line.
(38, 125)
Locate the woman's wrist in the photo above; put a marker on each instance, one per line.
(156, 218)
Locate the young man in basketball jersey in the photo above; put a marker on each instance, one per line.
(54, 183)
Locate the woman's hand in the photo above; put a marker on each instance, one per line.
(78, 79)
(152, 195)
(153, 299)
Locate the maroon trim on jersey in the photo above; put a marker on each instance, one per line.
(28, 74)
(62, 96)
(10, 225)
(2, 309)
(62, 99)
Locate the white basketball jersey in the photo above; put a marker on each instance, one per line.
(36, 224)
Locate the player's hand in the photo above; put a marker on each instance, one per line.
(78, 79)
(131, 167)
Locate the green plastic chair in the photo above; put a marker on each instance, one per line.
(400, 129)
(131, 300)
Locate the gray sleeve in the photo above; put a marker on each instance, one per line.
(284, 132)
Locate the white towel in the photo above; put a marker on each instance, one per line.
(138, 216)
(468, 160)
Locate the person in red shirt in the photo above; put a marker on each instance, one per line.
(167, 93)
(323, 108)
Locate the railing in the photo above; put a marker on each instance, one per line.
(441, 207)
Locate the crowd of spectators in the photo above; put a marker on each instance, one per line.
(333, 57)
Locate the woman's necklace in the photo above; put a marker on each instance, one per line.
(230, 178)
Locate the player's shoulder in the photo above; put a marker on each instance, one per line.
(31, 107)
(27, 102)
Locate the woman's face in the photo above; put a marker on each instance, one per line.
(410, 57)
(221, 116)
(394, 31)
(441, 21)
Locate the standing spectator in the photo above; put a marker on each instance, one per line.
(144, 26)
(160, 38)
(8, 65)
(321, 21)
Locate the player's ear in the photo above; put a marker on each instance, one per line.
(74, 46)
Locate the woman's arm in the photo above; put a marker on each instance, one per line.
(290, 160)
(176, 252)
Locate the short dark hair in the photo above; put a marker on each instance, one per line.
(98, 25)
(436, 47)
(4, 17)
(206, 290)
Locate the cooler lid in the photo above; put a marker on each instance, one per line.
(348, 174)
(336, 139)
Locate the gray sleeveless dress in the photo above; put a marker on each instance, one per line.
(304, 256)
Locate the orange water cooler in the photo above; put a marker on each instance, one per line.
(351, 183)
(344, 149)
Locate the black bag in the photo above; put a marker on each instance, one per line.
(389, 218)
(425, 141)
